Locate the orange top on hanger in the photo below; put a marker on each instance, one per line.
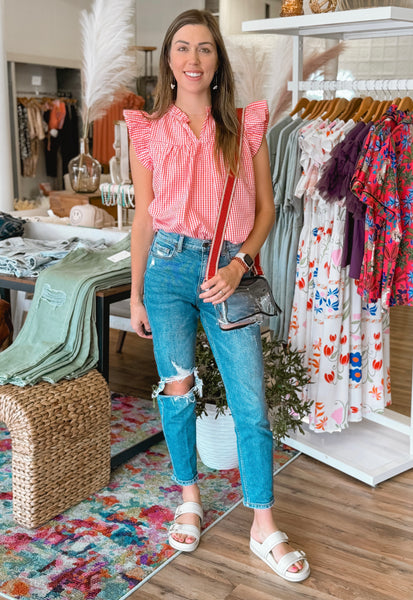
(104, 131)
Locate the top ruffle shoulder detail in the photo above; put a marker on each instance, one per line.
(256, 123)
(139, 128)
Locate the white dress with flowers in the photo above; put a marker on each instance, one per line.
(345, 341)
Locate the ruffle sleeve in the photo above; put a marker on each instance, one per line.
(256, 123)
(139, 128)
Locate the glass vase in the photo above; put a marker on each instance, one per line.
(84, 170)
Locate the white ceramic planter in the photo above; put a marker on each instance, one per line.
(216, 440)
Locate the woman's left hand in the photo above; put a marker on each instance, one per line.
(223, 284)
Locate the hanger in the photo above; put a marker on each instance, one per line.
(364, 106)
(406, 104)
(352, 108)
(309, 108)
(329, 108)
(339, 109)
(40, 101)
(371, 111)
(383, 106)
(302, 103)
(319, 108)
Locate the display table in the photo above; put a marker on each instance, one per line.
(61, 201)
(104, 298)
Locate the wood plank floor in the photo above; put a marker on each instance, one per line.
(359, 539)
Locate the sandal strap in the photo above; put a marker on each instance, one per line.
(278, 537)
(189, 507)
(184, 529)
(289, 559)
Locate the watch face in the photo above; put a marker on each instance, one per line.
(248, 260)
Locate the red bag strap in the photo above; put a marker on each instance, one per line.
(223, 213)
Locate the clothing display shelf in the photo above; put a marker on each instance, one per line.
(381, 445)
(120, 195)
(383, 21)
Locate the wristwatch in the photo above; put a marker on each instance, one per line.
(246, 260)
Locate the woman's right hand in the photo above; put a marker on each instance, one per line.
(139, 320)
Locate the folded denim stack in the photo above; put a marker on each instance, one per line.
(59, 339)
(10, 226)
(25, 257)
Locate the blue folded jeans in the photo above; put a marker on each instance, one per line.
(174, 273)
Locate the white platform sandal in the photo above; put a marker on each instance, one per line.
(281, 567)
(184, 529)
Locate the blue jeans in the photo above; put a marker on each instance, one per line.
(175, 271)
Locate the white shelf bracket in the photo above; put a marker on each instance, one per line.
(297, 67)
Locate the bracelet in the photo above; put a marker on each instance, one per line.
(242, 263)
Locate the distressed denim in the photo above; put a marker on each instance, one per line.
(25, 257)
(175, 271)
(59, 339)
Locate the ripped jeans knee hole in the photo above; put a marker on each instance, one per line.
(182, 374)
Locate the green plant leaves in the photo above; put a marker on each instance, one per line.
(285, 378)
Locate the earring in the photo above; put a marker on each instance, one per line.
(173, 84)
(215, 81)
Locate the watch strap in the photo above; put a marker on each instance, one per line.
(244, 265)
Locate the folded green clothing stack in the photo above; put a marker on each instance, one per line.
(59, 339)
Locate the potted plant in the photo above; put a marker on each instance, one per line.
(215, 433)
(285, 377)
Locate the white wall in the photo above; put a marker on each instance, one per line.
(233, 12)
(6, 173)
(48, 32)
(44, 31)
(153, 17)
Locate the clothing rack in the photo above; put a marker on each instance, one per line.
(21, 95)
(381, 445)
(120, 195)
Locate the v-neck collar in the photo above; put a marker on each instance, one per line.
(182, 117)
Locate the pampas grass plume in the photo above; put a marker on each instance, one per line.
(108, 68)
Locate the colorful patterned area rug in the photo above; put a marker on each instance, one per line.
(109, 545)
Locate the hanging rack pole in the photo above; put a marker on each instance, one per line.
(297, 68)
(359, 85)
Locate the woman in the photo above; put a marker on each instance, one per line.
(179, 159)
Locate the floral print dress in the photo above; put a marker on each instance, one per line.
(383, 182)
(345, 340)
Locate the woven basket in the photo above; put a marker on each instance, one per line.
(216, 439)
(60, 444)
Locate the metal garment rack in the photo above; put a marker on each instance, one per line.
(381, 445)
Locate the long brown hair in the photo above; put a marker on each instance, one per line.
(222, 99)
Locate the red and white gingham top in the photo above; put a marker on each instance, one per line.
(186, 183)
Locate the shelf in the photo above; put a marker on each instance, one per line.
(367, 451)
(383, 21)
